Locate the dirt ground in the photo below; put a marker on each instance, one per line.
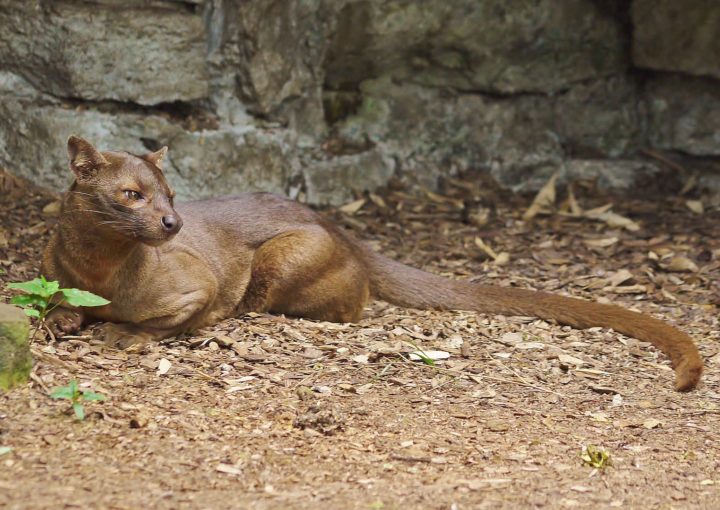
(272, 412)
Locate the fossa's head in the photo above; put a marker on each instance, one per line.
(127, 194)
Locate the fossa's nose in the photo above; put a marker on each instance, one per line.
(171, 223)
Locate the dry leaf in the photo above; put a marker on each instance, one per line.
(377, 200)
(499, 259)
(620, 277)
(601, 243)
(497, 425)
(480, 217)
(353, 207)
(695, 206)
(590, 213)
(511, 339)
(651, 423)
(229, 469)
(488, 393)
(689, 184)
(680, 265)
(163, 366)
(485, 248)
(628, 289)
(544, 200)
(567, 360)
(502, 258)
(575, 208)
(527, 346)
(614, 220)
(52, 209)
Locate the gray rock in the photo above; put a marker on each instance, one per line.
(684, 115)
(419, 89)
(338, 180)
(230, 160)
(227, 160)
(613, 174)
(670, 35)
(491, 45)
(431, 132)
(602, 118)
(33, 137)
(283, 44)
(143, 52)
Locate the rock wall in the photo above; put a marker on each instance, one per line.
(323, 99)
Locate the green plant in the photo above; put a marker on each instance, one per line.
(76, 396)
(596, 457)
(427, 360)
(42, 297)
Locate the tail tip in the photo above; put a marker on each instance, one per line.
(687, 375)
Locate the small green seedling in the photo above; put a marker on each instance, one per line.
(5, 450)
(76, 396)
(427, 360)
(42, 297)
(596, 457)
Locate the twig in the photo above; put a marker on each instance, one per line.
(656, 155)
(208, 376)
(519, 383)
(51, 359)
(387, 367)
(52, 335)
(409, 458)
(523, 380)
(39, 381)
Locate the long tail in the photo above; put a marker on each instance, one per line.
(409, 287)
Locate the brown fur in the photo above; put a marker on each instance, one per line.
(263, 253)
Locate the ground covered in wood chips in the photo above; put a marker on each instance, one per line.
(273, 412)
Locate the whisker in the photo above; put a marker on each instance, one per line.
(92, 210)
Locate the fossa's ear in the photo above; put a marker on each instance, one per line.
(85, 160)
(156, 158)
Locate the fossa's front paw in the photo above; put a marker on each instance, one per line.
(62, 321)
(121, 336)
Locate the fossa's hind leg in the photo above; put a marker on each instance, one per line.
(307, 273)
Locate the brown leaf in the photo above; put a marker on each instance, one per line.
(544, 200)
(353, 207)
(695, 206)
(680, 265)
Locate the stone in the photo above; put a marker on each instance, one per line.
(15, 357)
(601, 118)
(432, 132)
(200, 164)
(610, 173)
(230, 160)
(339, 179)
(33, 137)
(684, 115)
(109, 50)
(282, 46)
(494, 45)
(326, 99)
(677, 36)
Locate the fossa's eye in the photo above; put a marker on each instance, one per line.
(132, 194)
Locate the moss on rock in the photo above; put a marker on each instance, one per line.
(15, 359)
